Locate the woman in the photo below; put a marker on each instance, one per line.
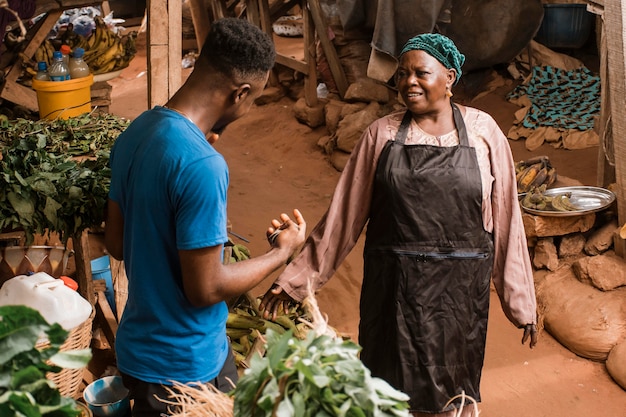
(436, 186)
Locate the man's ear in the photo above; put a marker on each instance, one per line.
(241, 93)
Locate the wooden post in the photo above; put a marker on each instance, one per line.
(200, 19)
(83, 266)
(614, 25)
(164, 50)
(310, 80)
(329, 49)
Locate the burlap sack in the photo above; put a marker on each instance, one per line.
(616, 363)
(589, 322)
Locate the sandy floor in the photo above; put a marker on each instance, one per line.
(276, 166)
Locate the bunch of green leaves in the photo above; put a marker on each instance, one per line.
(24, 388)
(76, 136)
(43, 187)
(320, 376)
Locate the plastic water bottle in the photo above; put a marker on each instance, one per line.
(58, 70)
(66, 51)
(42, 71)
(78, 66)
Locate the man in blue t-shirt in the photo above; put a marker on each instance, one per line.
(166, 218)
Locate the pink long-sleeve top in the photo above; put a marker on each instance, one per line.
(337, 232)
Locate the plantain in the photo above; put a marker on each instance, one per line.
(552, 177)
(525, 181)
(540, 159)
(241, 321)
(562, 202)
(541, 176)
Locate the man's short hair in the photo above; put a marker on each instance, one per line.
(236, 47)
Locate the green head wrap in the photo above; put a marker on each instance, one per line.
(440, 47)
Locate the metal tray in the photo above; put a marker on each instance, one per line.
(588, 199)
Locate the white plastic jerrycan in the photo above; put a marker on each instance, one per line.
(56, 302)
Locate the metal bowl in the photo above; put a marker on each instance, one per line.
(107, 397)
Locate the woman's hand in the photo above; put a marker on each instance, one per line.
(275, 300)
(530, 330)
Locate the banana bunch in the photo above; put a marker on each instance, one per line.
(245, 326)
(535, 199)
(44, 53)
(105, 51)
(533, 173)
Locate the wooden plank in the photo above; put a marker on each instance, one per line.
(614, 23)
(329, 49)
(310, 79)
(120, 285)
(605, 172)
(201, 21)
(292, 63)
(158, 56)
(107, 318)
(12, 90)
(175, 43)
(83, 266)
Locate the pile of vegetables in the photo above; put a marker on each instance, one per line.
(54, 174)
(24, 388)
(317, 374)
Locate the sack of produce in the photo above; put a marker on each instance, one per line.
(589, 322)
(616, 364)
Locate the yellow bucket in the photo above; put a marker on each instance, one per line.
(63, 99)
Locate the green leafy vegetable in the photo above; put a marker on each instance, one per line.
(24, 388)
(316, 377)
(54, 174)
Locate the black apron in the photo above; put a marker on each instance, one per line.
(428, 260)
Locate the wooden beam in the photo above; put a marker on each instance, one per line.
(12, 90)
(201, 20)
(164, 50)
(310, 79)
(329, 49)
(83, 266)
(614, 24)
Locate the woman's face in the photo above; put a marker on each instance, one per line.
(422, 82)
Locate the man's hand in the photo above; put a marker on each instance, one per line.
(274, 300)
(530, 330)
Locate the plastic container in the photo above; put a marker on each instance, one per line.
(25, 260)
(63, 99)
(58, 71)
(101, 269)
(42, 71)
(50, 296)
(107, 397)
(565, 25)
(78, 67)
(66, 52)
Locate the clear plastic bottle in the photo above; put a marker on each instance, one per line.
(78, 67)
(66, 51)
(42, 71)
(58, 71)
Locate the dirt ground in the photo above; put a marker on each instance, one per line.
(276, 165)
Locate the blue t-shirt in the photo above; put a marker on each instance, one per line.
(171, 186)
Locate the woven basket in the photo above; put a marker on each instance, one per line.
(69, 380)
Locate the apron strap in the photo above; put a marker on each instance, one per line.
(404, 128)
(460, 125)
(458, 122)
